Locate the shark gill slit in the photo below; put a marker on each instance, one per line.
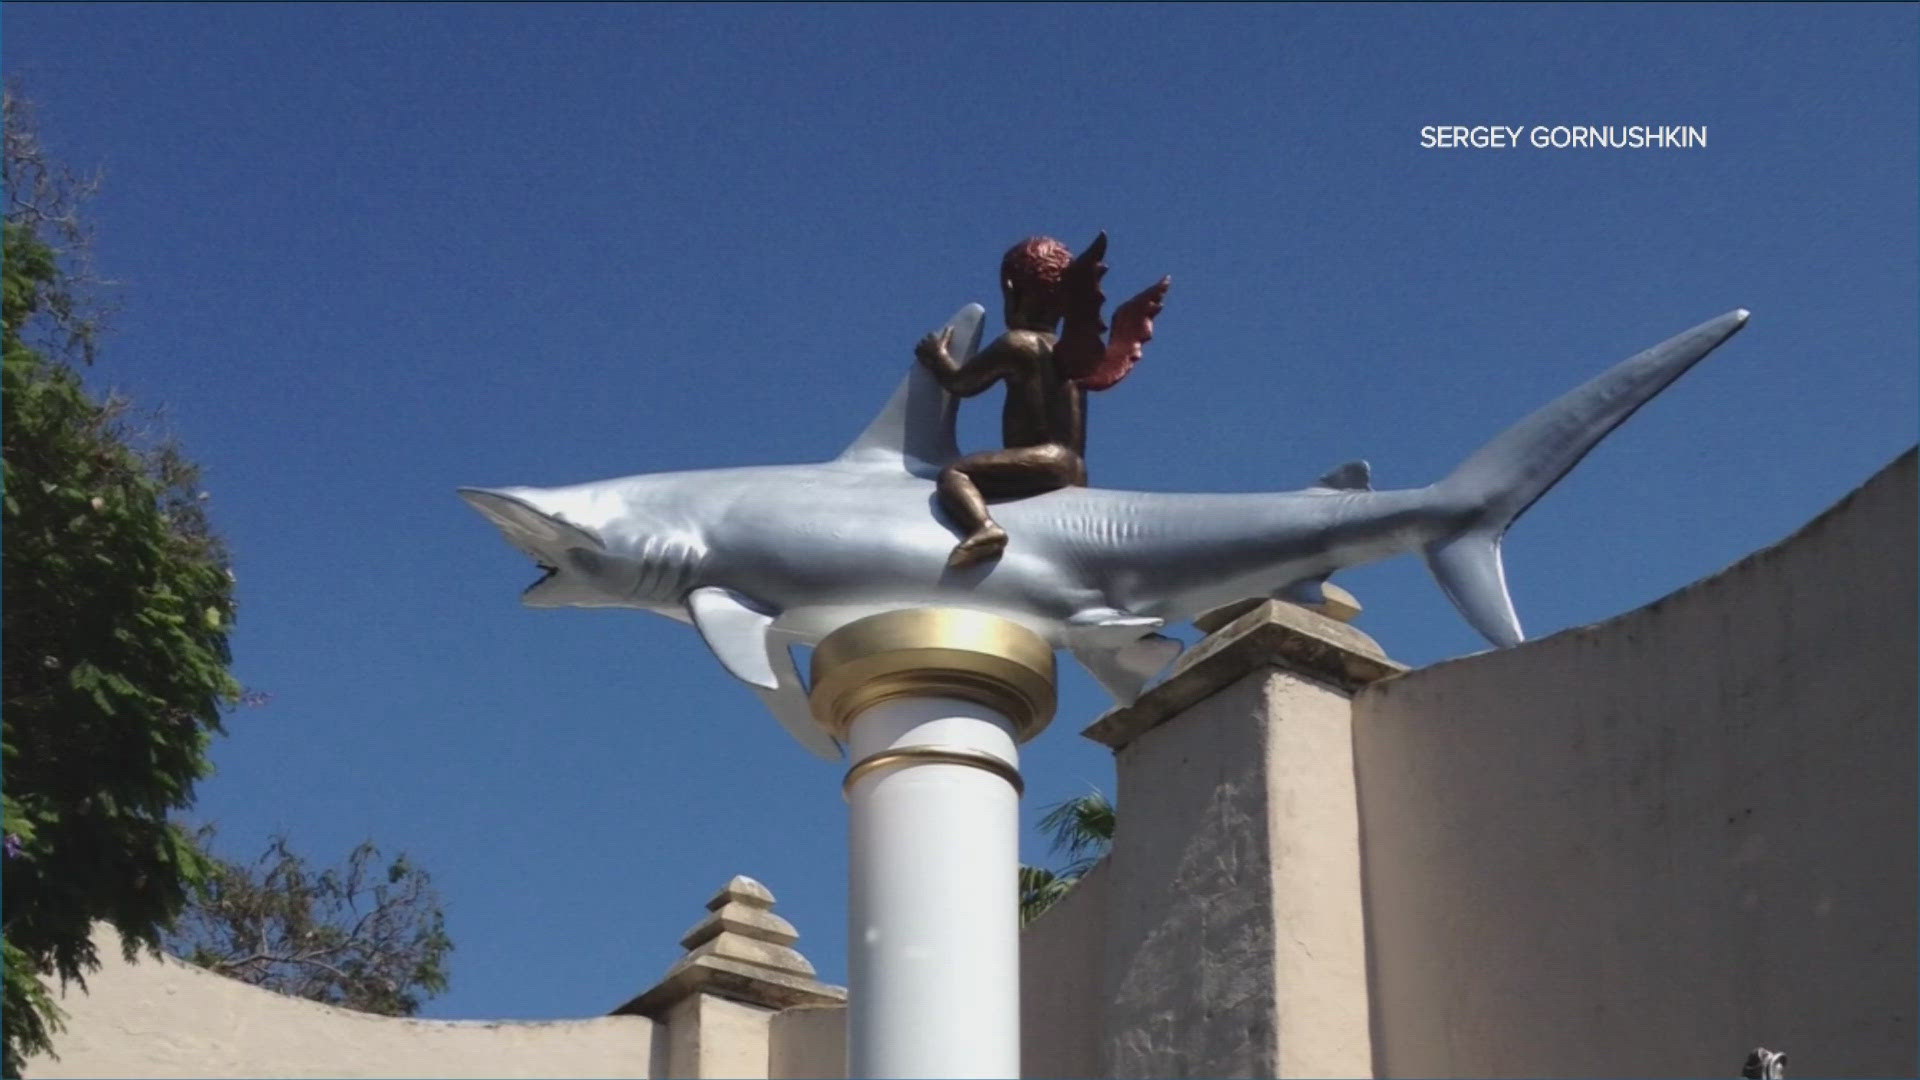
(668, 568)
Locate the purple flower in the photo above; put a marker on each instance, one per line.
(14, 848)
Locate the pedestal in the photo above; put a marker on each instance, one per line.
(1235, 939)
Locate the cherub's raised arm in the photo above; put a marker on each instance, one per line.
(985, 368)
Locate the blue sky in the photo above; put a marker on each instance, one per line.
(365, 254)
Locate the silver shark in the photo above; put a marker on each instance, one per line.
(763, 558)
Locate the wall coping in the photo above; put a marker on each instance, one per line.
(1273, 634)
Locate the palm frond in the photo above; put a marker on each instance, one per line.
(1080, 828)
(1040, 889)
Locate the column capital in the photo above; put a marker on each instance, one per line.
(933, 653)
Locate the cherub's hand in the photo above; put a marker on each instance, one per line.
(932, 351)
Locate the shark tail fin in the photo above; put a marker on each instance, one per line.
(1503, 478)
(1469, 571)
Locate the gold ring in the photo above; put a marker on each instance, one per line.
(936, 755)
(930, 653)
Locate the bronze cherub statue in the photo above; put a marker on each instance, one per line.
(1044, 424)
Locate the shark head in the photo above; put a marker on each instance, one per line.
(560, 537)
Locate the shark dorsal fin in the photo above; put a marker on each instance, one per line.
(915, 430)
(1349, 476)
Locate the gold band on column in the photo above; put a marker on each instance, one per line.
(934, 755)
(933, 652)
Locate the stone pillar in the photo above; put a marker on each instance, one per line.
(1235, 937)
(716, 1005)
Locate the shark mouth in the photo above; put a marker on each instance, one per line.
(547, 573)
(543, 537)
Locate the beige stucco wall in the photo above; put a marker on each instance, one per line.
(1061, 995)
(163, 1018)
(1643, 847)
(1190, 917)
(709, 1036)
(1319, 929)
(809, 1043)
(1234, 939)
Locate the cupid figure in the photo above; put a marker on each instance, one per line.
(1044, 424)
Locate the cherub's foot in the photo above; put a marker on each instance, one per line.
(986, 543)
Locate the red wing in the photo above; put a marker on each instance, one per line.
(1132, 329)
(1080, 346)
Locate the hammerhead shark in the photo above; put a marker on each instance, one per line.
(763, 558)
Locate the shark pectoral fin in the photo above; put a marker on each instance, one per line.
(788, 702)
(1106, 628)
(1121, 651)
(736, 630)
(1306, 591)
(1349, 476)
(1470, 573)
(1125, 671)
(1151, 654)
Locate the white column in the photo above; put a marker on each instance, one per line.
(933, 927)
(932, 703)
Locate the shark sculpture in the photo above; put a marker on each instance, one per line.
(762, 558)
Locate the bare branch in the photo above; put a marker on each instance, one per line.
(46, 198)
(332, 937)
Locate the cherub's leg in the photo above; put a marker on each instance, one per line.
(966, 485)
(968, 509)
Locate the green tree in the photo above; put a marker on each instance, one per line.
(1081, 829)
(117, 605)
(368, 935)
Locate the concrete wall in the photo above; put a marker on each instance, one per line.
(707, 1036)
(809, 1043)
(164, 1018)
(1235, 944)
(713, 1015)
(1192, 918)
(1061, 996)
(1643, 847)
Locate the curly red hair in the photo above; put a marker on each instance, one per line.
(1035, 263)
